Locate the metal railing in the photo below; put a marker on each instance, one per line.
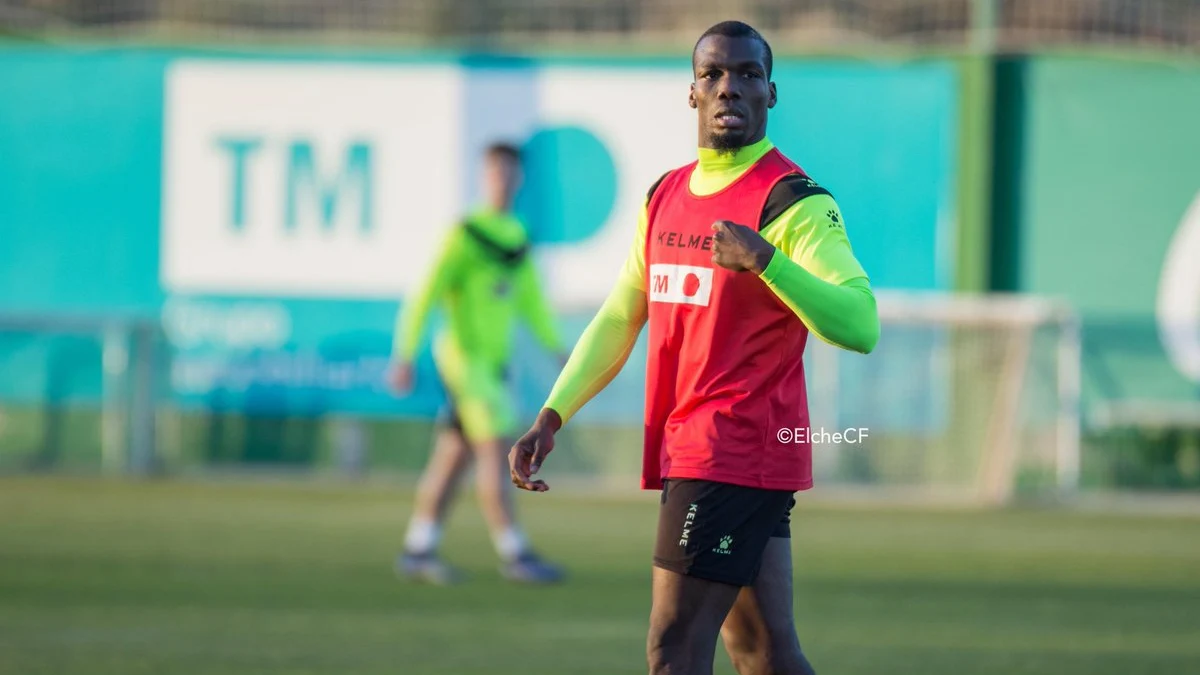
(794, 25)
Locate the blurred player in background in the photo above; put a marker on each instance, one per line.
(484, 279)
(737, 258)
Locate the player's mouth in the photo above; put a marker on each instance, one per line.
(730, 119)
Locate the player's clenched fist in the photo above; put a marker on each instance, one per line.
(739, 248)
(530, 451)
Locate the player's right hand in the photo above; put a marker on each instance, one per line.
(400, 377)
(530, 451)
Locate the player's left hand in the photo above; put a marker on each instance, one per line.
(400, 377)
(527, 455)
(740, 248)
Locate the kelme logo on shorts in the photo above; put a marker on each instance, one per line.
(688, 521)
(725, 547)
(680, 284)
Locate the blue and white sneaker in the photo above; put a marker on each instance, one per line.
(427, 568)
(530, 568)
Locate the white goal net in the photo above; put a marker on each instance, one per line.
(971, 398)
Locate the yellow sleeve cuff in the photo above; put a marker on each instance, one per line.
(771, 272)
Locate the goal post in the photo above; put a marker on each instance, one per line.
(967, 397)
(79, 393)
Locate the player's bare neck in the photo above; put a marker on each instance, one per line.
(725, 149)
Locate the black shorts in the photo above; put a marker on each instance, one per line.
(717, 531)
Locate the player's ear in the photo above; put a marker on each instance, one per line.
(692, 95)
(771, 100)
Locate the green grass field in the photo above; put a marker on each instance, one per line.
(122, 578)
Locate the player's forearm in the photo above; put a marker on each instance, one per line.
(843, 315)
(540, 319)
(412, 321)
(601, 352)
(410, 325)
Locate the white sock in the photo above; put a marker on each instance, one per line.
(510, 543)
(423, 536)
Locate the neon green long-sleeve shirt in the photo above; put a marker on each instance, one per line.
(813, 271)
(481, 294)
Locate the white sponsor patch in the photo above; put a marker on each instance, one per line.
(681, 284)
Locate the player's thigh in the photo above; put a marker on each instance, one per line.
(450, 449)
(761, 621)
(686, 610)
(710, 539)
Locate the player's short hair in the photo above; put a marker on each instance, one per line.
(504, 150)
(737, 29)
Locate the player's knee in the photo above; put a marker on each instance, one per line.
(748, 662)
(752, 655)
(745, 649)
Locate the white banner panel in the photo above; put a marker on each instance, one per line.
(307, 179)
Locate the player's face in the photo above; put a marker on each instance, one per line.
(501, 180)
(731, 91)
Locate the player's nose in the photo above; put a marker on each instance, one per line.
(729, 88)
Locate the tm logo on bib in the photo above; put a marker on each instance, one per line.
(681, 284)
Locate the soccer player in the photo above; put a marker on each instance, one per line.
(738, 257)
(485, 279)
